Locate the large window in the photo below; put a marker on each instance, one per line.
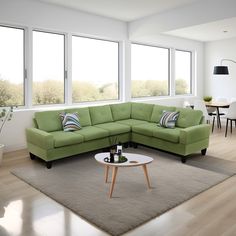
(11, 66)
(48, 68)
(149, 71)
(95, 69)
(183, 72)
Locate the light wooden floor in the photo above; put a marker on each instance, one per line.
(27, 212)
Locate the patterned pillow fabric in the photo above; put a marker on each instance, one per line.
(70, 121)
(168, 119)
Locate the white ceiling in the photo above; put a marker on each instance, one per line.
(126, 10)
(130, 10)
(208, 32)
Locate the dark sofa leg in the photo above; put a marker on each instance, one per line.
(183, 159)
(107, 149)
(32, 156)
(135, 145)
(126, 145)
(203, 151)
(49, 164)
(130, 144)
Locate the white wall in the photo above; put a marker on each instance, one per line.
(218, 85)
(46, 16)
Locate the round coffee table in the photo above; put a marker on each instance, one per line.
(133, 161)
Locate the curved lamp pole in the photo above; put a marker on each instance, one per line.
(222, 70)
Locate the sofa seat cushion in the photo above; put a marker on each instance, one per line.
(131, 122)
(62, 138)
(114, 128)
(145, 129)
(91, 133)
(171, 135)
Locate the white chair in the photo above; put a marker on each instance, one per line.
(233, 99)
(230, 116)
(200, 105)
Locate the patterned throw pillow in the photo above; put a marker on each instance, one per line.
(70, 121)
(168, 119)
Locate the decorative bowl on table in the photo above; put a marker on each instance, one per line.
(207, 98)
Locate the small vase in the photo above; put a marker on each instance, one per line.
(1, 152)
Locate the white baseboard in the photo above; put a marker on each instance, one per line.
(12, 148)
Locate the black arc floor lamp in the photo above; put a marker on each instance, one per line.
(222, 70)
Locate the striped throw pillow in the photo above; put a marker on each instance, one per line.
(70, 121)
(168, 119)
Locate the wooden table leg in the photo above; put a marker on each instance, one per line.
(106, 173)
(218, 117)
(146, 174)
(114, 172)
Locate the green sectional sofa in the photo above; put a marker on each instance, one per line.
(134, 123)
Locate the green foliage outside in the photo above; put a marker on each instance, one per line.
(146, 88)
(181, 87)
(10, 94)
(52, 92)
(85, 91)
(152, 88)
(48, 92)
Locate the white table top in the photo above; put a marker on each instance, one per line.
(133, 159)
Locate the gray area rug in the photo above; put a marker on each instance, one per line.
(78, 183)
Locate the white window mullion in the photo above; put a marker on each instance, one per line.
(68, 91)
(127, 70)
(28, 67)
(172, 72)
(193, 74)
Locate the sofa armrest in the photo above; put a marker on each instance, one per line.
(194, 133)
(40, 138)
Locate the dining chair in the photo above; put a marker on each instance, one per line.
(232, 99)
(221, 112)
(200, 105)
(230, 116)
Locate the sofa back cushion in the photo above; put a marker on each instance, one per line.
(84, 115)
(121, 111)
(141, 111)
(100, 114)
(49, 120)
(158, 111)
(188, 117)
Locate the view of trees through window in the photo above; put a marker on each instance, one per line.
(95, 69)
(11, 66)
(182, 72)
(149, 71)
(48, 68)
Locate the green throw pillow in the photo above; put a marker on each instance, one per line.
(70, 121)
(168, 119)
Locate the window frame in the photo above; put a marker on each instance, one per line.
(65, 67)
(124, 69)
(24, 75)
(118, 70)
(169, 73)
(191, 93)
